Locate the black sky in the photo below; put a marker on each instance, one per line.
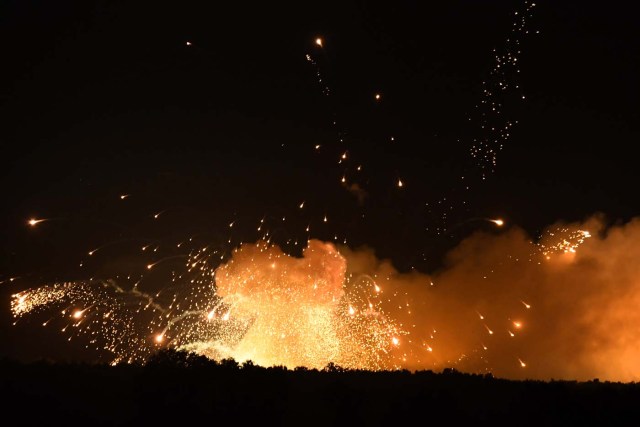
(100, 99)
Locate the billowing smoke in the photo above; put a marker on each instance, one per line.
(566, 306)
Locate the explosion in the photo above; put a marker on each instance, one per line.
(498, 306)
(263, 305)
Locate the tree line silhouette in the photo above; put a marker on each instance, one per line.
(181, 387)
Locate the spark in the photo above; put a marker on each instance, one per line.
(522, 364)
(33, 222)
(124, 196)
(319, 42)
(377, 97)
(188, 43)
(527, 306)
(400, 183)
(497, 222)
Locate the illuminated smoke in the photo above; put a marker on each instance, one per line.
(562, 307)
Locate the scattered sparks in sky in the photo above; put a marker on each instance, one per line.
(498, 90)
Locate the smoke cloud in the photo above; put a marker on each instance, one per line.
(504, 304)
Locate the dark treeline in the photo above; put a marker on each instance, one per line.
(174, 388)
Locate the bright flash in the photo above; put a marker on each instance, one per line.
(77, 314)
(377, 97)
(395, 341)
(159, 338)
(319, 41)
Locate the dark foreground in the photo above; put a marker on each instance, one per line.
(175, 389)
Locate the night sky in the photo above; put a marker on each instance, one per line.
(210, 113)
